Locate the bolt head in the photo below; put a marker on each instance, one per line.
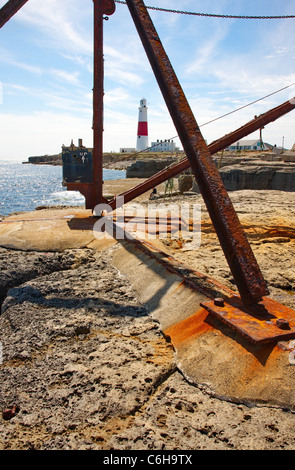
(219, 302)
(282, 324)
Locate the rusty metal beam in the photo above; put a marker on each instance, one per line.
(244, 267)
(98, 92)
(253, 125)
(101, 7)
(10, 9)
(217, 145)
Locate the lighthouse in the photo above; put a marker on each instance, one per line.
(142, 131)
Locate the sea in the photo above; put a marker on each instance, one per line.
(23, 187)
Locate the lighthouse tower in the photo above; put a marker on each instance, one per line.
(142, 131)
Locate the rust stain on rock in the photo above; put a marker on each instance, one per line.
(189, 328)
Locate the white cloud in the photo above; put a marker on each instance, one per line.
(83, 62)
(123, 76)
(206, 54)
(251, 82)
(61, 100)
(127, 66)
(9, 59)
(61, 22)
(69, 77)
(118, 95)
(41, 133)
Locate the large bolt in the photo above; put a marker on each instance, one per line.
(219, 302)
(282, 324)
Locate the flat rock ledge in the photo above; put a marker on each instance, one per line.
(85, 367)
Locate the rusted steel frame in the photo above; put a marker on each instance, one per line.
(10, 9)
(244, 267)
(98, 92)
(266, 323)
(214, 147)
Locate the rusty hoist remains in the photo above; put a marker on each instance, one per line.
(253, 314)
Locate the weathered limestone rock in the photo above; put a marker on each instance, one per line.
(75, 358)
(185, 183)
(147, 168)
(87, 367)
(276, 176)
(22, 266)
(288, 156)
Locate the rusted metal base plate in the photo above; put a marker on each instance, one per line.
(266, 322)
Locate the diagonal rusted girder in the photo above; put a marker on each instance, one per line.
(244, 267)
(9, 9)
(217, 145)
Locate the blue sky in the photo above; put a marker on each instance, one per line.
(46, 72)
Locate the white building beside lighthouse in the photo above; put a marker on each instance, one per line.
(142, 130)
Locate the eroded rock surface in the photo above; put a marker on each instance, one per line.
(268, 219)
(84, 366)
(78, 352)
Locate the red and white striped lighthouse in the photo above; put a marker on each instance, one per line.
(142, 131)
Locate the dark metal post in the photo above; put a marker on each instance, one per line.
(98, 93)
(237, 250)
(9, 9)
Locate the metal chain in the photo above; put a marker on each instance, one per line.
(211, 15)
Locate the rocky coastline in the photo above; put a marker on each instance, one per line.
(239, 171)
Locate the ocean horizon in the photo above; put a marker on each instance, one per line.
(23, 187)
